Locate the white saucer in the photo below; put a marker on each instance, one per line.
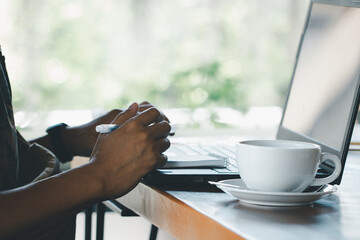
(238, 189)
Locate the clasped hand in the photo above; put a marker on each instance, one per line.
(125, 155)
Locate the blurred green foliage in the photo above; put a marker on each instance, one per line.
(205, 85)
(65, 54)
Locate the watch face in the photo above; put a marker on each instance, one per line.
(56, 126)
(57, 143)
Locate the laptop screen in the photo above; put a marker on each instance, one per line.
(323, 98)
(326, 77)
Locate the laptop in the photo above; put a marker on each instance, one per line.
(323, 97)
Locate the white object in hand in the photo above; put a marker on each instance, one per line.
(108, 128)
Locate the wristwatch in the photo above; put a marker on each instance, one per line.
(54, 133)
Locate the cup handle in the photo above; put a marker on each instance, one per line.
(334, 175)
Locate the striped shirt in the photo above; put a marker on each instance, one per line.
(22, 163)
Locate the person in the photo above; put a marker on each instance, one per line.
(37, 201)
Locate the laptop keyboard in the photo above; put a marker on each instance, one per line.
(223, 150)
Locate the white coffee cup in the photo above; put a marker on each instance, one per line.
(282, 166)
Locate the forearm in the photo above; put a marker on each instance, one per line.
(117, 163)
(70, 136)
(43, 141)
(31, 206)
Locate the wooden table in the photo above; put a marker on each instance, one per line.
(190, 214)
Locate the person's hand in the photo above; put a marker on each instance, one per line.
(124, 156)
(146, 105)
(80, 140)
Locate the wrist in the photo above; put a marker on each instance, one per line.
(69, 135)
(101, 177)
(77, 141)
(56, 135)
(95, 181)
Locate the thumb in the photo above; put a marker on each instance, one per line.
(132, 111)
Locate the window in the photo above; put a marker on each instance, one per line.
(189, 54)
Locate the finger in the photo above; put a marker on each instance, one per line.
(112, 115)
(146, 105)
(127, 114)
(149, 116)
(143, 108)
(161, 161)
(163, 144)
(173, 128)
(159, 130)
(166, 118)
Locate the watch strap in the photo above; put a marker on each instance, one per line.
(57, 142)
